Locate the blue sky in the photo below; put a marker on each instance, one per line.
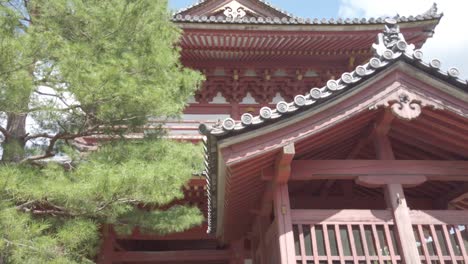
(301, 8)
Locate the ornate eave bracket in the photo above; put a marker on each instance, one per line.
(405, 104)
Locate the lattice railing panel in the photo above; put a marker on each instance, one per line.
(370, 237)
(442, 243)
(346, 243)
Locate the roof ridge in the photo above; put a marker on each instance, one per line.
(301, 21)
(268, 4)
(390, 47)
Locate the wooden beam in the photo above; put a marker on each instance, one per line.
(386, 170)
(374, 182)
(196, 233)
(300, 216)
(343, 202)
(172, 256)
(283, 164)
(282, 173)
(381, 126)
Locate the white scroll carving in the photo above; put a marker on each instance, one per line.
(407, 105)
(234, 10)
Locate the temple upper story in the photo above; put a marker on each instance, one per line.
(254, 54)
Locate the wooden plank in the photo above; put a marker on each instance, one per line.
(390, 243)
(424, 244)
(352, 243)
(327, 243)
(168, 256)
(436, 243)
(438, 217)
(364, 243)
(302, 170)
(284, 225)
(314, 244)
(339, 244)
(461, 243)
(341, 216)
(448, 242)
(302, 244)
(378, 247)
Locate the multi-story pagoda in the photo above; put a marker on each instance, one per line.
(327, 141)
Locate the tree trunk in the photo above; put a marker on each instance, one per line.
(13, 147)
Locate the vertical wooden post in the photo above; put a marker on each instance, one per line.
(395, 198)
(284, 225)
(237, 252)
(107, 247)
(263, 227)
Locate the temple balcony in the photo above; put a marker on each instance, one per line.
(369, 236)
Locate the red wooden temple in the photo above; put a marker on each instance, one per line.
(327, 141)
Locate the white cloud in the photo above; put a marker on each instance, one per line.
(450, 42)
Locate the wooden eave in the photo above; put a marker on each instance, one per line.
(429, 23)
(294, 44)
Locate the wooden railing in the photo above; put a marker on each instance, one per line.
(441, 236)
(369, 236)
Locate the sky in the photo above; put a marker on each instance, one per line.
(449, 44)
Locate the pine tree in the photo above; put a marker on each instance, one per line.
(75, 68)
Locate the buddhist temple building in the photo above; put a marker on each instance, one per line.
(326, 140)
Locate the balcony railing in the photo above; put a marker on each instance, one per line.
(369, 236)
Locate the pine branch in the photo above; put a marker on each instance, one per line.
(41, 135)
(49, 152)
(44, 207)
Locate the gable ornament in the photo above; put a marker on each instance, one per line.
(234, 10)
(406, 105)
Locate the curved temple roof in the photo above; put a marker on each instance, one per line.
(390, 48)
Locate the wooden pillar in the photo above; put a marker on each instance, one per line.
(107, 246)
(237, 252)
(262, 224)
(284, 225)
(395, 198)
